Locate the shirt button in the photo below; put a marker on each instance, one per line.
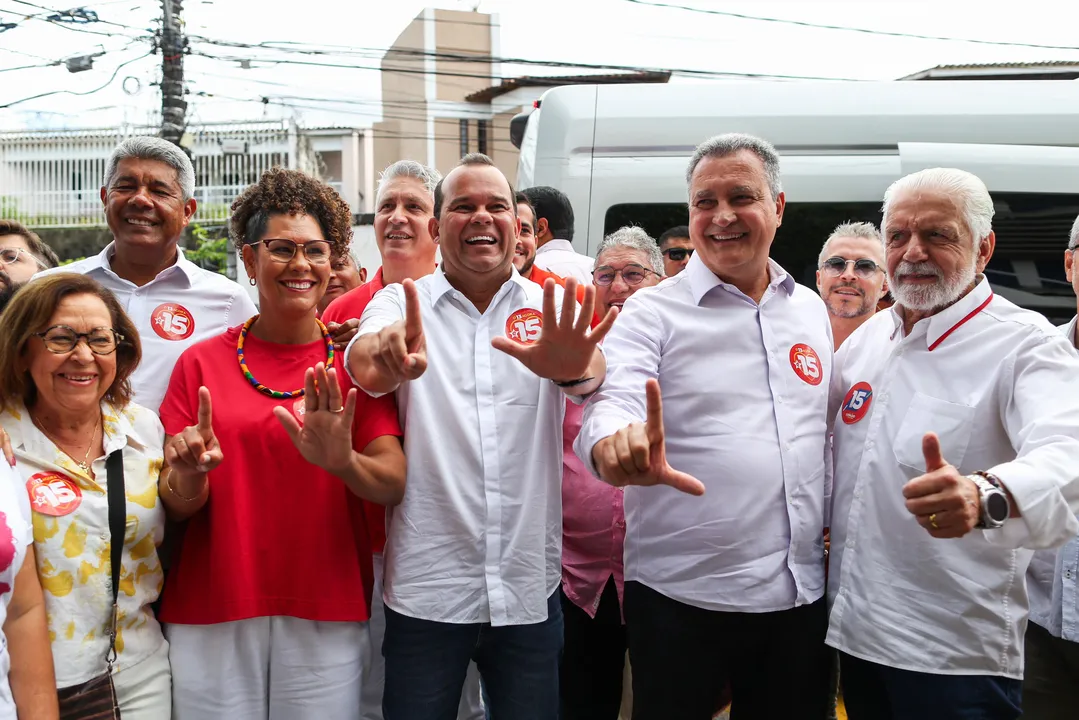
(779, 398)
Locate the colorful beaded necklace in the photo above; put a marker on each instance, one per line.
(277, 394)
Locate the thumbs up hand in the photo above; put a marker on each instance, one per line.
(946, 503)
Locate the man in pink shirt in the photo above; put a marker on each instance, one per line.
(593, 522)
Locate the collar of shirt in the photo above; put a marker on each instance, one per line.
(440, 285)
(938, 327)
(702, 280)
(182, 265)
(1069, 330)
(119, 432)
(556, 244)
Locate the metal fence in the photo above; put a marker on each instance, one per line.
(52, 179)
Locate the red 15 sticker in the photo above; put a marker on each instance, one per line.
(524, 326)
(53, 494)
(172, 321)
(806, 364)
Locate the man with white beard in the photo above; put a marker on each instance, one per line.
(955, 446)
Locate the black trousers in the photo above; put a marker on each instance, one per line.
(1051, 679)
(593, 658)
(776, 663)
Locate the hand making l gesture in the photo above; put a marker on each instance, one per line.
(637, 454)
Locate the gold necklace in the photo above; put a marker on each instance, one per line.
(84, 465)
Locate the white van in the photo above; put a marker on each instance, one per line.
(620, 153)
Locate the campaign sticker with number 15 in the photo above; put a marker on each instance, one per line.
(524, 326)
(53, 494)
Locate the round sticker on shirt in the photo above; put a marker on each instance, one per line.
(524, 326)
(53, 494)
(172, 322)
(856, 403)
(806, 364)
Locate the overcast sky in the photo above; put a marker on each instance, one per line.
(617, 32)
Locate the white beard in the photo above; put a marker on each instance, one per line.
(930, 297)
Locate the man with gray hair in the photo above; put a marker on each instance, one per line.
(954, 447)
(850, 276)
(1051, 675)
(148, 198)
(726, 588)
(593, 520)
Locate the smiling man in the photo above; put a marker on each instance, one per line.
(481, 362)
(148, 199)
(850, 276)
(346, 273)
(743, 355)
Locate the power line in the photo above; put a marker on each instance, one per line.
(866, 31)
(72, 92)
(27, 67)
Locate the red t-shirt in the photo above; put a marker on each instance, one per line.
(277, 535)
(349, 306)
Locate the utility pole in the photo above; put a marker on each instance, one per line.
(173, 44)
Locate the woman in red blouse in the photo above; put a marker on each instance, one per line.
(267, 600)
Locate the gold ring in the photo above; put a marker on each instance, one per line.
(933, 521)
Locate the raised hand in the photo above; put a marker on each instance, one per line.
(944, 502)
(342, 333)
(5, 446)
(402, 349)
(195, 451)
(566, 345)
(325, 437)
(637, 454)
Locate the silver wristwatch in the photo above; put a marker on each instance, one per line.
(994, 501)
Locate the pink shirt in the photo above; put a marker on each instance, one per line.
(593, 525)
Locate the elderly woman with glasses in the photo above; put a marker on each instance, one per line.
(268, 451)
(67, 351)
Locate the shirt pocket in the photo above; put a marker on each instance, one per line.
(951, 422)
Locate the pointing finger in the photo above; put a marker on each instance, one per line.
(654, 417)
(684, 482)
(413, 316)
(206, 413)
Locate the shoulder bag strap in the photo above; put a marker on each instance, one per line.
(114, 469)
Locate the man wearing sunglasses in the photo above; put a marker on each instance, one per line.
(22, 255)
(676, 248)
(850, 276)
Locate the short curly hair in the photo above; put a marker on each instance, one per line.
(290, 192)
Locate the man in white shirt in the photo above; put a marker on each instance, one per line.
(955, 447)
(850, 276)
(728, 587)
(148, 198)
(554, 235)
(477, 356)
(1051, 676)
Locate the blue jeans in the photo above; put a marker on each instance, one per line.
(878, 692)
(426, 662)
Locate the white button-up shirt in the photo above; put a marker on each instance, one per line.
(183, 305)
(745, 407)
(996, 383)
(1053, 576)
(559, 257)
(478, 536)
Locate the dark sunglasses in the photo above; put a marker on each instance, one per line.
(836, 266)
(678, 254)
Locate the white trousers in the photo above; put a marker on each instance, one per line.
(374, 672)
(269, 668)
(144, 690)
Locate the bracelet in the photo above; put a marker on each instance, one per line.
(571, 383)
(178, 496)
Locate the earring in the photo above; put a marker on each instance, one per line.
(252, 281)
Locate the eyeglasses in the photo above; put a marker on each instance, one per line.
(60, 339)
(317, 252)
(836, 266)
(677, 254)
(11, 255)
(632, 273)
